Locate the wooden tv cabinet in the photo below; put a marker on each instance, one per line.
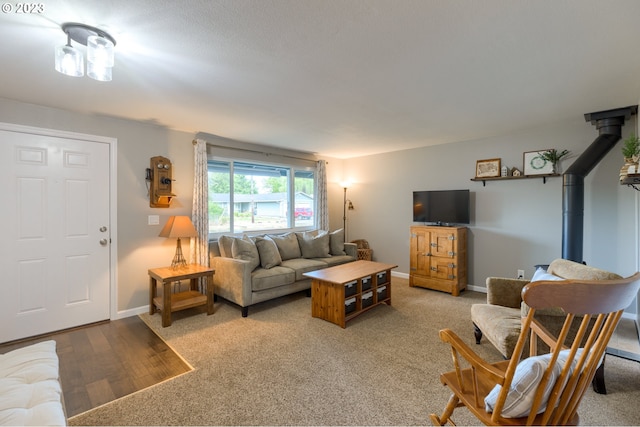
(438, 258)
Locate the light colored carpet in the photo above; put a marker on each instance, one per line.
(280, 366)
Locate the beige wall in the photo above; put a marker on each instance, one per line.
(516, 224)
(138, 245)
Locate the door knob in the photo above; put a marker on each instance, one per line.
(103, 242)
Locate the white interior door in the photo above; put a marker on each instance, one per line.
(55, 233)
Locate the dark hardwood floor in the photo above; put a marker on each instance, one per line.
(104, 361)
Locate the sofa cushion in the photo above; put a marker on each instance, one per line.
(269, 254)
(31, 392)
(314, 244)
(246, 249)
(303, 265)
(287, 245)
(336, 260)
(263, 278)
(336, 242)
(500, 325)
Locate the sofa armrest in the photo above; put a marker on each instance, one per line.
(506, 292)
(232, 280)
(351, 249)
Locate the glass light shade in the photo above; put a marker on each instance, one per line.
(69, 61)
(100, 51)
(97, 72)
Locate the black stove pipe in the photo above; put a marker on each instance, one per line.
(609, 124)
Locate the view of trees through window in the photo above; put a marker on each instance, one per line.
(250, 197)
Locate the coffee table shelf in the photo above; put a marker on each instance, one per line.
(333, 297)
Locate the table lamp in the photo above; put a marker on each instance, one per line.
(178, 226)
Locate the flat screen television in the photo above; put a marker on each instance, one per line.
(442, 207)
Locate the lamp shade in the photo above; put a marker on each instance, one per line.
(69, 61)
(96, 72)
(178, 226)
(99, 58)
(100, 51)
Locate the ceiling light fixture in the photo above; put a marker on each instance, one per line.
(99, 44)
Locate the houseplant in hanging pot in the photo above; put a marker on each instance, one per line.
(553, 156)
(631, 154)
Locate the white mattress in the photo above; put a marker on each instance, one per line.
(30, 391)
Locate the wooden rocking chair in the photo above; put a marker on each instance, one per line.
(546, 389)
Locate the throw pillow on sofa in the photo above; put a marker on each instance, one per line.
(268, 250)
(247, 250)
(287, 245)
(336, 242)
(314, 244)
(224, 245)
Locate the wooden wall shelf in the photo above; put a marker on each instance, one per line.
(632, 181)
(506, 178)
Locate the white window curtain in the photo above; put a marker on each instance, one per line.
(200, 211)
(322, 203)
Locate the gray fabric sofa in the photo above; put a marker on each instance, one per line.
(253, 269)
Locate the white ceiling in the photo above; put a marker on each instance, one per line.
(341, 78)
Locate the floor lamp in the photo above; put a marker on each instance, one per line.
(344, 211)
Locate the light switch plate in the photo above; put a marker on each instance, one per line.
(154, 219)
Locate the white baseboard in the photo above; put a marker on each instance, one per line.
(131, 312)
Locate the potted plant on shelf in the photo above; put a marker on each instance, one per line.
(553, 156)
(631, 154)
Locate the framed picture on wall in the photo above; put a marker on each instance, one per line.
(488, 168)
(534, 164)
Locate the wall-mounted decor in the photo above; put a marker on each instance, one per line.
(159, 178)
(536, 164)
(487, 168)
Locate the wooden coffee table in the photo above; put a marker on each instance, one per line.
(340, 293)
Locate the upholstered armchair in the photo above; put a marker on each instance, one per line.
(499, 320)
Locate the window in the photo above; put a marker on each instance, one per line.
(252, 197)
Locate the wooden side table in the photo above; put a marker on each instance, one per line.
(170, 302)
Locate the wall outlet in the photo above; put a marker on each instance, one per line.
(520, 274)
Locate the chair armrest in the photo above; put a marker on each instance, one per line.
(506, 292)
(482, 367)
(232, 280)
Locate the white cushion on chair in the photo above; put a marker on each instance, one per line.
(525, 382)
